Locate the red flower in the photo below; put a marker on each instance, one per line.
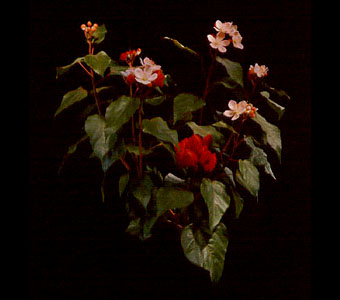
(130, 79)
(194, 151)
(129, 56)
(208, 160)
(159, 81)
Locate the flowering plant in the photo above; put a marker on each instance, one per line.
(186, 158)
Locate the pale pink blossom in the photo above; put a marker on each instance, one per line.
(237, 39)
(145, 75)
(226, 27)
(250, 110)
(128, 72)
(236, 109)
(218, 42)
(148, 63)
(260, 71)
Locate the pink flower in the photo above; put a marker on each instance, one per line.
(226, 27)
(218, 42)
(237, 39)
(250, 110)
(236, 109)
(145, 75)
(260, 71)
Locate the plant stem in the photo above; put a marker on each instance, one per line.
(84, 68)
(95, 93)
(207, 83)
(140, 139)
(91, 49)
(132, 121)
(237, 141)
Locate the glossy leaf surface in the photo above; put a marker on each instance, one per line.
(216, 199)
(71, 98)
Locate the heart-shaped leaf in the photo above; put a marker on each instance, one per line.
(258, 157)
(248, 176)
(270, 134)
(119, 112)
(171, 197)
(234, 70)
(217, 200)
(185, 104)
(278, 109)
(98, 62)
(99, 34)
(71, 98)
(141, 190)
(64, 69)
(217, 136)
(159, 129)
(211, 255)
(108, 150)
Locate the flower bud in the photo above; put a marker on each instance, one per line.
(89, 24)
(83, 27)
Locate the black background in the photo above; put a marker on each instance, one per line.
(76, 244)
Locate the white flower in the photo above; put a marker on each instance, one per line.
(260, 71)
(145, 75)
(226, 27)
(237, 39)
(147, 63)
(128, 72)
(218, 42)
(236, 109)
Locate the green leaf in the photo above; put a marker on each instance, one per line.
(94, 127)
(147, 225)
(99, 34)
(234, 69)
(258, 157)
(108, 150)
(271, 134)
(238, 202)
(221, 124)
(159, 129)
(135, 150)
(209, 255)
(155, 100)
(280, 93)
(141, 190)
(180, 46)
(98, 62)
(184, 104)
(123, 181)
(171, 197)
(134, 227)
(248, 176)
(217, 200)
(71, 98)
(115, 68)
(191, 247)
(71, 150)
(217, 136)
(214, 252)
(278, 109)
(118, 113)
(64, 69)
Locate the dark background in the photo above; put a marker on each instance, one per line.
(76, 244)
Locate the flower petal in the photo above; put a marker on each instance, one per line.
(232, 104)
(211, 38)
(235, 117)
(222, 49)
(228, 113)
